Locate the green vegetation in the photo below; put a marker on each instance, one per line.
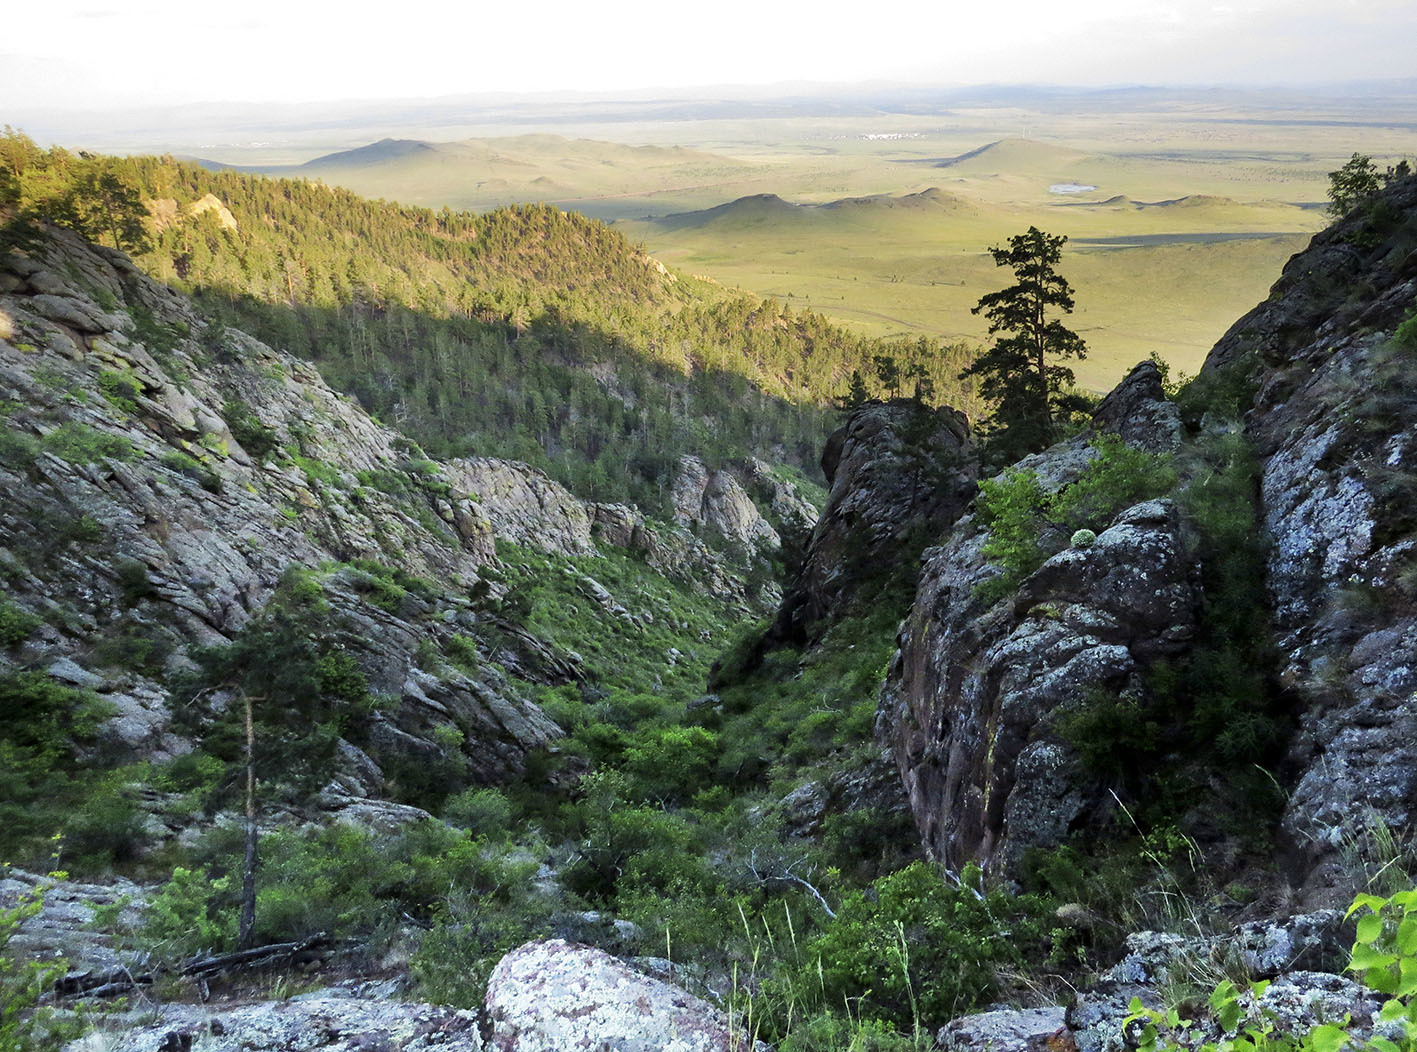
(306, 693)
(60, 794)
(527, 332)
(1027, 523)
(27, 1025)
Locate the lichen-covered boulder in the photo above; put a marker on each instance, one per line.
(1334, 419)
(1007, 1030)
(556, 996)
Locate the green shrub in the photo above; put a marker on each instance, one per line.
(246, 427)
(16, 625)
(1014, 506)
(193, 469)
(1384, 958)
(1026, 522)
(1116, 478)
(121, 390)
(80, 444)
(190, 913)
(26, 1025)
(919, 949)
(482, 812)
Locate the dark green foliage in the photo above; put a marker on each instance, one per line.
(306, 692)
(16, 625)
(51, 774)
(246, 427)
(122, 390)
(1353, 184)
(918, 949)
(1227, 391)
(79, 443)
(134, 585)
(1015, 507)
(1027, 524)
(190, 467)
(1018, 373)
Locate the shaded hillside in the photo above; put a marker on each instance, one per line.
(528, 332)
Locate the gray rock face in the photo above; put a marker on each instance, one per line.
(554, 996)
(715, 502)
(525, 506)
(895, 470)
(970, 704)
(520, 504)
(1335, 421)
(1285, 952)
(326, 1021)
(61, 929)
(132, 506)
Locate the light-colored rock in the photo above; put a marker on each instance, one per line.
(554, 996)
(326, 1021)
(1007, 1030)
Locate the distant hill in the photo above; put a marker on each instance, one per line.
(760, 210)
(484, 173)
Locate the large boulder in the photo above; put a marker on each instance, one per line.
(329, 1020)
(555, 996)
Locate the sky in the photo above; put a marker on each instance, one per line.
(97, 54)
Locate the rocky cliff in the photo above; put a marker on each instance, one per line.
(1334, 415)
(971, 701)
(978, 697)
(162, 475)
(898, 474)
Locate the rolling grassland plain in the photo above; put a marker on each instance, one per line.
(1180, 208)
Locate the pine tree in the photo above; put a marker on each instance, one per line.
(1016, 372)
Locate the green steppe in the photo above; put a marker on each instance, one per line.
(884, 224)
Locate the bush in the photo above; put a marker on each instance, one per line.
(25, 1024)
(1014, 506)
(919, 950)
(1021, 514)
(16, 625)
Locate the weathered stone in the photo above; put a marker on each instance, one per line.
(553, 996)
(896, 470)
(326, 1021)
(1334, 421)
(1007, 1030)
(973, 695)
(64, 926)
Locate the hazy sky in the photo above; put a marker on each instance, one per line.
(99, 53)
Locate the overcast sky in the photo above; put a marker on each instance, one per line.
(94, 54)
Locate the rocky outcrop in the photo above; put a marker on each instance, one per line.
(974, 695)
(525, 506)
(1300, 957)
(898, 472)
(161, 476)
(520, 504)
(330, 1020)
(555, 996)
(1006, 1030)
(1334, 418)
(712, 502)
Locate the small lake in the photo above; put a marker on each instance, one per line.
(1070, 188)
